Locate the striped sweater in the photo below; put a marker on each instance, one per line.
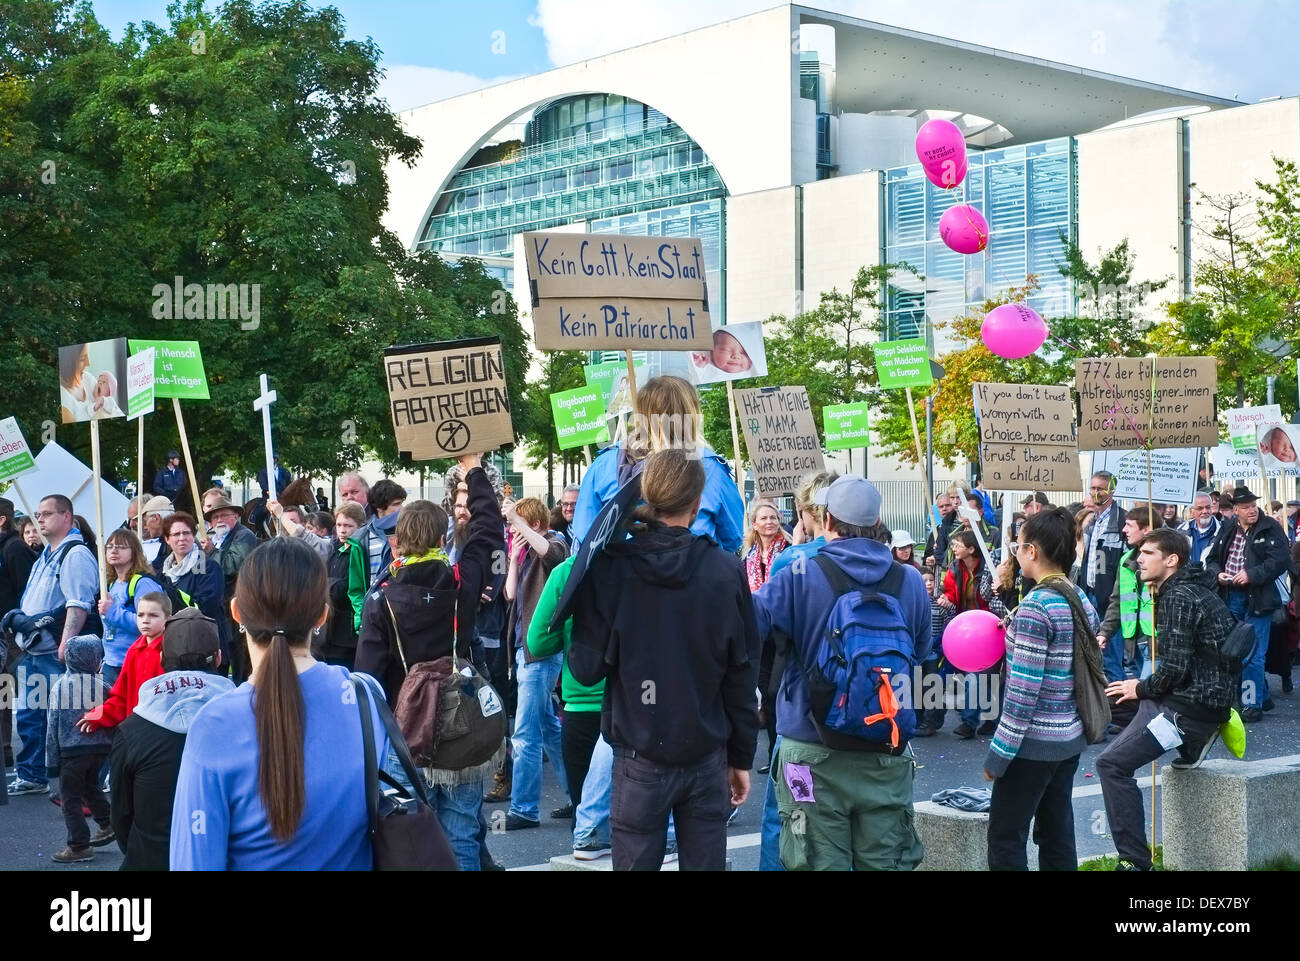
(1039, 720)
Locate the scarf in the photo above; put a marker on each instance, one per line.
(175, 570)
(437, 554)
(758, 563)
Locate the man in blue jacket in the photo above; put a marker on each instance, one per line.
(841, 809)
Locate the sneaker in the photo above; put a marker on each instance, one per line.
(500, 790)
(670, 852)
(1126, 865)
(765, 769)
(21, 786)
(71, 855)
(564, 812)
(103, 836)
(1252, 715)
(1188, 759)
(987, 728)
(516, 823)
(492, 864)
(591, 850)
(1269, 705)
(1288, 685)
(735, 813)
(964, 731)
(924, 730)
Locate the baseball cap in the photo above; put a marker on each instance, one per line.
(1036, 496)
(852, 500)
(190, 641)
(173, 453)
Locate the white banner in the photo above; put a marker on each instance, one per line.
(1173, 473)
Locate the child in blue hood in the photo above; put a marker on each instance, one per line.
(76, 758)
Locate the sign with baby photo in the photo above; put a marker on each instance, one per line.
(92, 381)
(738, 354)
(1278, 447)
(596, 291)
(1244, 424)
(781, 437)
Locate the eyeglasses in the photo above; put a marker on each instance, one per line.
(41, 515)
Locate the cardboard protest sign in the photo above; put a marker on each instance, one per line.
(1237, 465)
(1115, 402)
(1278, 445)
(1026, 437)
(1173, 473)
(607, 290)
(903, 363)
(1244, 424)
(15, 456)
(610, 522)
(58, 472)
(448, 398)
(738, 354)
(579, 417)
(846, 426)
(92, 381)
(780, 436)
(140, 383)
(178, 369)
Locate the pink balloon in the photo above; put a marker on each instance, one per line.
(1013, 331)
(964, 229)
(974, 640)
(942, 151)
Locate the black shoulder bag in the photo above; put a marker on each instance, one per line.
(405, 834)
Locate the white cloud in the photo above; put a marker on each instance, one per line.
(405, 85)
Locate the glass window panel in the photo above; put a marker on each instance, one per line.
(1049, 190)
(906, 222)
(1006, 261)
(1006, 199)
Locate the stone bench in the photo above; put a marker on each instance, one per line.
(1230, 815)
(569, 863)
(956, 840)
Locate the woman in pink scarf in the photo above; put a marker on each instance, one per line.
(764, 539)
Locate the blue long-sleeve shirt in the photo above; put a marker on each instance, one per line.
(120, 627)
(218, 821)
(721, 515)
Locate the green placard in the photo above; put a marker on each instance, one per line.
(580, 416)
(15, 456)
(903, 363)
(602, 376)
(846, 426)
(179, 368)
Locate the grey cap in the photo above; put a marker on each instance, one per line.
(853, 500)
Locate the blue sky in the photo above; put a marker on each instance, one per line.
(434, 49)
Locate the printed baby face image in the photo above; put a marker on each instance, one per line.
(1277, 443)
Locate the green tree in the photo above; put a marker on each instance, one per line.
(561, 370)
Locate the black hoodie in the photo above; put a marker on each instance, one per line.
(667, 616)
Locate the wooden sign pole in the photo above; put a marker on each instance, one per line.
(139, 473)
(732, 414)
(925, 472)
(189, 461)
(96, 471)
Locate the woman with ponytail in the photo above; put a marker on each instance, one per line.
(273, 774)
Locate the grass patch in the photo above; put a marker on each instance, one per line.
(1283, 863)
(1110, 863)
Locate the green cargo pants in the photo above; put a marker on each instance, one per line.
(860, 813)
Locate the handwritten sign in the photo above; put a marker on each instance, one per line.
(178, 369)
(1027, 439)
(448, 398)
(1244, 424)
(592, 291)
(903, 363)
(780, 436)
(15, 456)
(1115, 402)
(579, 417)
(846, 426)
(1173, 473)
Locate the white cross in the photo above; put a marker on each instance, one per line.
(263, 403)
(428, 598)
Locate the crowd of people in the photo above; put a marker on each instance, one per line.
(203, 714)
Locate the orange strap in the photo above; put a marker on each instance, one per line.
(888, 706)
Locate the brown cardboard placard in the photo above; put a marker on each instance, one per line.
(1027, 437)
(1115, 394)
(780, 436)
(448, 398)
(1026, 467)
(595, 323)
(567, 265)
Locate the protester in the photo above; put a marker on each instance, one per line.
(1246, 559)
(188, 569)
(1035, 503)
(534, 554)
(353, 487)
(147, 750)
(231, 542)
(1102, 548)
(810, 534)
(31, 536)
(974, 503)
(277, 780)
(902, 547)
(282, 478)
(1292, 519)
(171, 480)
(76, 756)
(417, 610)
(930, 719)
(322, 502)
(131, 578)
(16, 558)
(55, 606)
(143, 662)
(386, 500)
(1035, 750)
(1185, 700)
(562, 514)
(292, 524)
(854, 805)
(1227, 509)
(1202, 527)
(968, 586)
(667, 414)
(1129, 608)
(687, 750)
(154, 512)
(936, 545)
(764, 540)
(347, 593)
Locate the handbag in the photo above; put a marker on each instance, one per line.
(449, 713)
(405, 834)
(1089, 678)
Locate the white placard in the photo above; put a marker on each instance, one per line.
(1173, 473)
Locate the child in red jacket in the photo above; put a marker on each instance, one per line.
(143, 662)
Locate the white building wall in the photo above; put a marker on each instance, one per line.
(762, 254)
(842, 231)
(805, 140)
(874, 143)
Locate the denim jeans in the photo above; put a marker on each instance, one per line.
(457, 807)
(769, 846)
(592, 817)
(646, 794)
(1254, 686)
(536, 727)
(31, 719)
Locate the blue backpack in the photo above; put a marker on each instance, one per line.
(854, 672)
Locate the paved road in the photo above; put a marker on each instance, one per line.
(31, 828)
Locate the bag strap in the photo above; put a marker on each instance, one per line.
(373, 773)
(842, 583)
(392, 619)
(371, 760)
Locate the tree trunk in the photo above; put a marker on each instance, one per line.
(1241, 392)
